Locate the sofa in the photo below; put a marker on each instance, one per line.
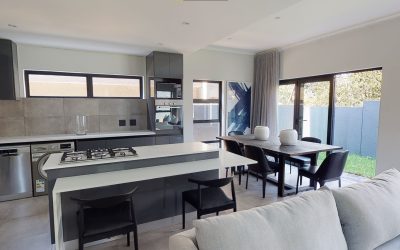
(363, 216)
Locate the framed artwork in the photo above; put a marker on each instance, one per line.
(238, 106)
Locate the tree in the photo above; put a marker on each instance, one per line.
(352, 89)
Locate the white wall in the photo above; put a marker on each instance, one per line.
(376, 45)
(211, 65)
(31, 57)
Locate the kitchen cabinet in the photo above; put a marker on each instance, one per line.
(164, 65)
(90, 144)
(169, 139)
(115, 143)
(176, 66)
(162, 140)
(82, 145)
(175, 139)
(130, 142)
(9, 83)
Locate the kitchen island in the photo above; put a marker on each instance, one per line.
(160, 172)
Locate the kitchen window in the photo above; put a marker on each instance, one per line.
(65, 84)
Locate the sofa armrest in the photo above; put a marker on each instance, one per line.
(185, 240)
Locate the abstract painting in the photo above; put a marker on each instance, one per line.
(238, 106)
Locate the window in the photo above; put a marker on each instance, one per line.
(340, 109)
(57, 85)
(116, 87)
(62, 84)
(206, 110)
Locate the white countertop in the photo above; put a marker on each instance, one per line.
(226, 159)
(67, 137)
(144, 152)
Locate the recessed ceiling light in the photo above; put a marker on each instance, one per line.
(12, 25)
(185, 23)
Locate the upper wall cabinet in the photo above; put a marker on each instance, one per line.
(8, 70)
(164, 65)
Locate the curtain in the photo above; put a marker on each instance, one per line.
(265, 90)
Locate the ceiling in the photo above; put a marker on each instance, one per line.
(137, 25)
(140, 26)
(308, 19)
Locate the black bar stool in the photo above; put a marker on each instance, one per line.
(106, 217)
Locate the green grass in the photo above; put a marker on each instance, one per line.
(357, 164)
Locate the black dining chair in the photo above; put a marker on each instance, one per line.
(233, 133)
(262, 168)
(106, 217)
(304, 160)
(234, 147)
(209, 197)
(331, 169)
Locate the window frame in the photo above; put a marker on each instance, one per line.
(298, 82)
(89, 83)
(219, 101)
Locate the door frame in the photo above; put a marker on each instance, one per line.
(298, 82)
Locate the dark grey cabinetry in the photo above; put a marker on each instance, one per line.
(115, 143)
(169, 139)
(83, 145)
(176, 66)
(130, 142)
(90, 144)
(164, 65)
(8, 70)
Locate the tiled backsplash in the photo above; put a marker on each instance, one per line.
(43, 116)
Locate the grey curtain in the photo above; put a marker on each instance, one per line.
(266, 81)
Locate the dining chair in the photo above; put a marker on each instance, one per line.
(232, 133)
(106, 217)
(262, 168)
(304, 160)
(209, 197)
(234, 147)
(331, 169)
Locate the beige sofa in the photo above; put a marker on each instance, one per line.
(362, 216)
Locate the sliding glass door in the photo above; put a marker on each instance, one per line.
(313, 110)
(340, 109)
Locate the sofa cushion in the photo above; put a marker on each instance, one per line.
(309, 221)
(370, 212)
(183, 240)
(390, 245)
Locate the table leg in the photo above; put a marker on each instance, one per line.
(281, 176)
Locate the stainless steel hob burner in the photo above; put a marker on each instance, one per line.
(97, 154)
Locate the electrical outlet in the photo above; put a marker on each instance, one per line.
(122, 123)
(132, 122)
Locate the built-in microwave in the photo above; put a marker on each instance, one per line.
(165, 88)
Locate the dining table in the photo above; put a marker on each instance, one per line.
(273, 147)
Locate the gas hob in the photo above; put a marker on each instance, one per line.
(97, 154)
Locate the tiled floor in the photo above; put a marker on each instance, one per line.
(24, 224)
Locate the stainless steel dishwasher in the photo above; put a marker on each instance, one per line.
(15, 173)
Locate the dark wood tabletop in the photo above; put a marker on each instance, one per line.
(273, 145)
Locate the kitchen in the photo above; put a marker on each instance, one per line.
(44, 125)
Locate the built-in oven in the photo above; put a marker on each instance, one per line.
(165, 88)
(39, 155)
(168, 114)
